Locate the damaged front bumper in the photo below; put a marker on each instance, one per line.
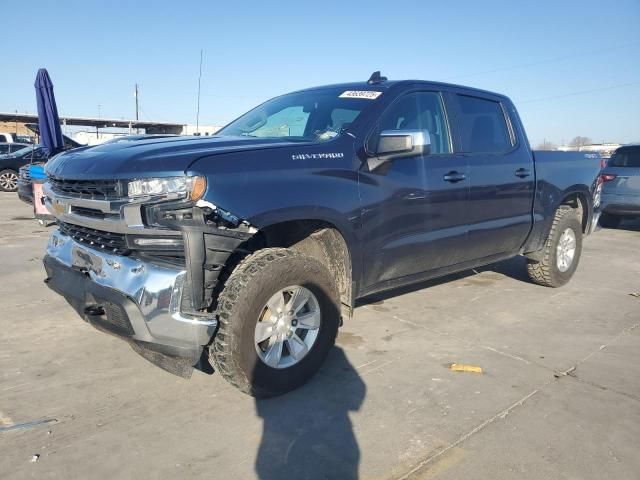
(138, 300)
(146, 269)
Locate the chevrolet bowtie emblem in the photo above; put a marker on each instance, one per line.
(58, 208)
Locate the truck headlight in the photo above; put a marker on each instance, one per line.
(193, 187)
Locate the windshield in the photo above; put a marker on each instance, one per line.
(315, 115)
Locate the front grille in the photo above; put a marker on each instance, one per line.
(93, 213)
(98, 239)
(117, 319)
(94, 189)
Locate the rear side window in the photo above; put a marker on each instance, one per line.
(483, 126)
(628, 157)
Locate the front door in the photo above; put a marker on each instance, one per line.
(413, 209)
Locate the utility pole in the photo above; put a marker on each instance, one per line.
(135, 94)
(198, 109)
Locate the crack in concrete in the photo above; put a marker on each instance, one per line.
(570, 372)
(574, 375)
(466, 436)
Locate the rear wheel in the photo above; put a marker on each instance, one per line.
(279, 315)
(609, 221)
(561, 253)
(8, 180)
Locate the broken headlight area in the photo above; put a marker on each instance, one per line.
(178, 215)
(161, 246)
(210, 236)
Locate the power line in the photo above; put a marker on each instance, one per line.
(582, 92)
(542, 62)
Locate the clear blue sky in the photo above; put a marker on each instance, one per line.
(538, 53)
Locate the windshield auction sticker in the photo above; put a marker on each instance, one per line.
(368, 94)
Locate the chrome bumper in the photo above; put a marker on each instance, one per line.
(148, 294)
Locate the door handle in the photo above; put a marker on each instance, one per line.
(523, 172)
(454, 177)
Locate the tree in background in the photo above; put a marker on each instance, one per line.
(580, 142)
(547, 146)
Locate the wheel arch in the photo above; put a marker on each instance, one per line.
(576, 197)
(320, 239)
(579, 200)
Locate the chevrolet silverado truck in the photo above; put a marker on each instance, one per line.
(246, 250)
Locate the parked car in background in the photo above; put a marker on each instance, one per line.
(11, 163)
(25, 183)
(621, 186)
(11, 147)
(15, 138)
(252, 245)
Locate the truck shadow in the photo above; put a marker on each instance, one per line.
(307, 434)
(631, 225)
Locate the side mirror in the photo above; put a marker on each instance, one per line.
(393, 144)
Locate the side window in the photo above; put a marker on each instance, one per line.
(417, 111)
(483, 126)
(342, 118)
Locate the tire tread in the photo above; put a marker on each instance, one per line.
(220, 352)
(540, 271)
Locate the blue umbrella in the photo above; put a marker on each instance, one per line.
(48, 119)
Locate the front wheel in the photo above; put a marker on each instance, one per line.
(8, 180)
(279, 314)
(561, 253)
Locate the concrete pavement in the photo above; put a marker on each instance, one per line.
(559, 396)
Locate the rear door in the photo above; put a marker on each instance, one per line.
(501, 175)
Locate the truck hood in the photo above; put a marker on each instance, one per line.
(163, 157)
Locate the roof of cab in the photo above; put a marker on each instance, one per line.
(387, 84)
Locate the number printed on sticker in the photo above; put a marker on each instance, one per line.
(368, 94)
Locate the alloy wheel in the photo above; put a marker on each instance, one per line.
(288, 327)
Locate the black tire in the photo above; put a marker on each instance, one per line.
(547, 272)
(609, 221)
(4, 179)
(250, 286)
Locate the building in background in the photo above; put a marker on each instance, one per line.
(90, 137)
(604, 149)
(201, 130)
(93, 131)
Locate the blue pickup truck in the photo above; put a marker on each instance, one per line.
(249, 248)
